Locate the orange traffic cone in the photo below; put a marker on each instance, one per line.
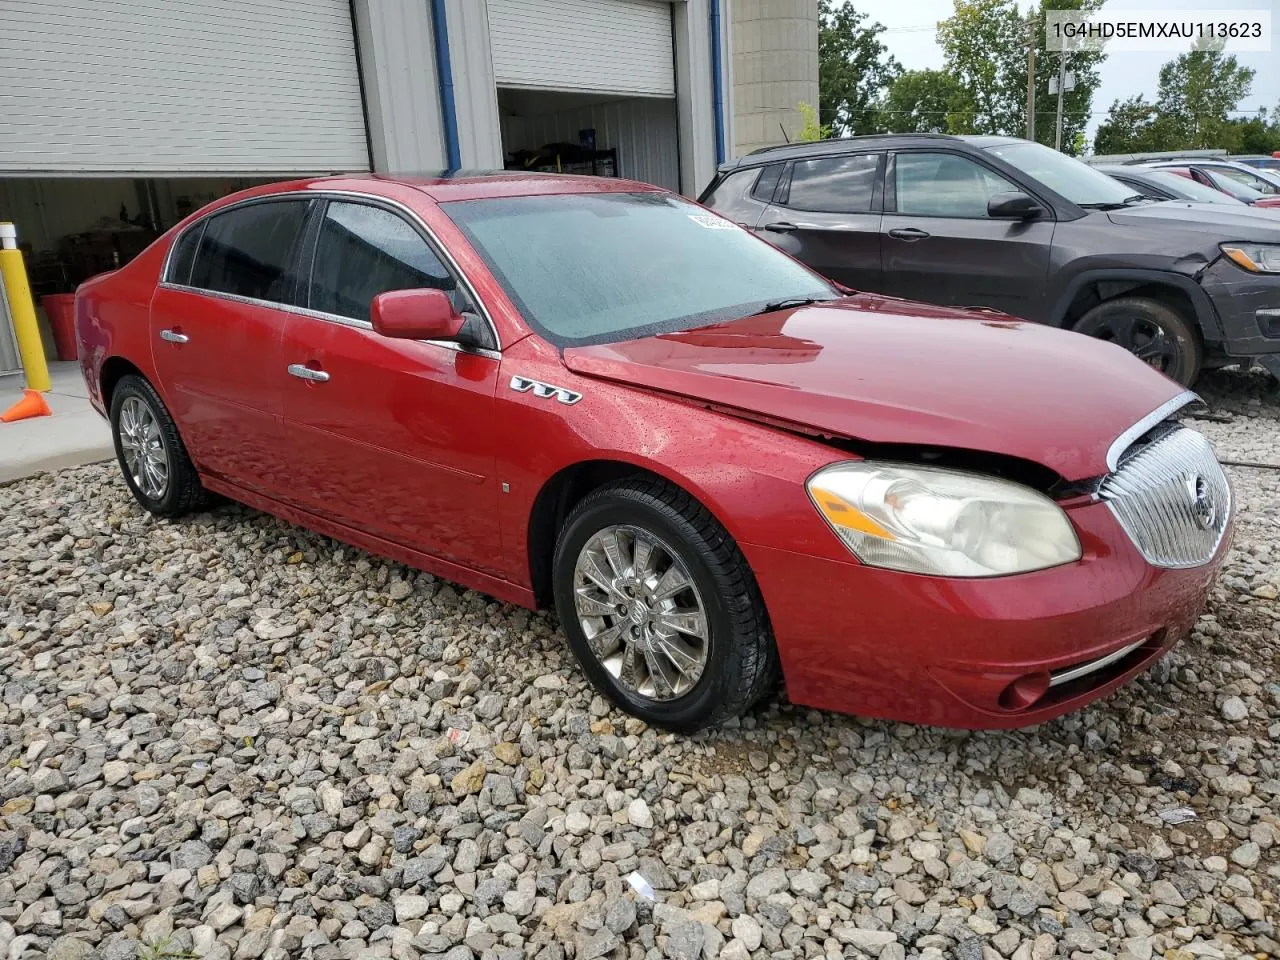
(32, 404)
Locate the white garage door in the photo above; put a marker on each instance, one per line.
(610, 46)
(179, 86)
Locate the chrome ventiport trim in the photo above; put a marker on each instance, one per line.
(1125, 440)
(1059, 677)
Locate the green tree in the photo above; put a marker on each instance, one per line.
(1198, 91)
(986, 42)
(854, 69)
(1135, 125)
(919, 101)
(983, 43)
(1261, 133)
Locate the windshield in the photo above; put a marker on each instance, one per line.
(1232, 187)
(1189, 188)
(1067, 176)
(601, 267)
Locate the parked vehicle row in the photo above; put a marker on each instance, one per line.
(1015, 226)
(720, 468)
(1178, 183)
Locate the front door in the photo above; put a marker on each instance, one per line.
(392, 437)
(940, 246)
(215, 332)
(829, 217)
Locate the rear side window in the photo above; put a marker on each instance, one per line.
(250, 251)
(834, 184)
(184, 255)
(768, 182)
(364, 251)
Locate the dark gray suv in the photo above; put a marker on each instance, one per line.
(1013, 225)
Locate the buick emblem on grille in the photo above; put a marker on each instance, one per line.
(1203, 507)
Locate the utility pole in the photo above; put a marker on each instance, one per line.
(1031, 76)
(1062, 83)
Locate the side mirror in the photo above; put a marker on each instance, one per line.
(1013, 205)
(423, 314)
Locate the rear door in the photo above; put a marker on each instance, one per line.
(826, 213)
(216, 323)
(392, 437)
(940, 246)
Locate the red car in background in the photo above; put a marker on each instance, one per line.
(721, 469)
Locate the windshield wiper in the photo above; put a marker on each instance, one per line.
(789, 303)
(1126, 202)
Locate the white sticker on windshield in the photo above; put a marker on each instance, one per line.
(711, 223)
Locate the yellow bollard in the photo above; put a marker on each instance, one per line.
(22, 309)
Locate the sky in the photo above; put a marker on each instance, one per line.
(911, 39)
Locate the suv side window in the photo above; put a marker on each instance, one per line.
(834, 184)
(363, 251)
(944, 185)
(251, 251)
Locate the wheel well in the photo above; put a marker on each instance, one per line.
(1100, 291)
(113, 369)
(558, 496)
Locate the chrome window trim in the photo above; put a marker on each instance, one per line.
(433, 240)
(1162, 412)
(320, 315)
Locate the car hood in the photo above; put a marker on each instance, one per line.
(884, 370)
(1225, 221)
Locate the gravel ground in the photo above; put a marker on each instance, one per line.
(230, 737)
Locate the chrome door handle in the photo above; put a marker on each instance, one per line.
(173, 336)
(303, 372)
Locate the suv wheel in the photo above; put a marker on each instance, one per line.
(660, 607)
(1152, 331)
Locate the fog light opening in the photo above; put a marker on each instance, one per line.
(1025, 691)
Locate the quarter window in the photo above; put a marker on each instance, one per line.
(834, 184)
(363, 251)
(184, 255)
(945, 185)
(250, 251)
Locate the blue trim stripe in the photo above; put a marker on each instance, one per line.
(717, 81)
(444, 76)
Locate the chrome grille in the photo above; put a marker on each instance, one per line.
(1171, 497)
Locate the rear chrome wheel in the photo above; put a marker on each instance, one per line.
(660, 607)
(151, 454)
(145, 455)
(640, 612)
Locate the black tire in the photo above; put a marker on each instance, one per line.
(182, 492)
(741, 664)
(1153, 331)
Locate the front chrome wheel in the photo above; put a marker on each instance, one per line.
(146, 456)
(641, 613)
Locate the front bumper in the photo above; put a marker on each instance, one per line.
(1248, 306)
(976, 653)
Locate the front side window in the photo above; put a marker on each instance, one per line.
(250, 251)
(945, 185)
(834, 184)
(603, 267)
(363, 251)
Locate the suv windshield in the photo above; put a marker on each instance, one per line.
(1066, 176)
(602, 267)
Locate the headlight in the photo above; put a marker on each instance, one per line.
(942, 522)
(1254, 257)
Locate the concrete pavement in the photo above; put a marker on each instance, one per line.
(74, 435)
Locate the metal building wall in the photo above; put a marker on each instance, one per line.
(775, 67)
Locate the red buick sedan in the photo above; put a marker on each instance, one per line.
(722, 470)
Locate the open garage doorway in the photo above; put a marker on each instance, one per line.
(593, 133)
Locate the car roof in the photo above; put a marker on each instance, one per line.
(470, 184)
